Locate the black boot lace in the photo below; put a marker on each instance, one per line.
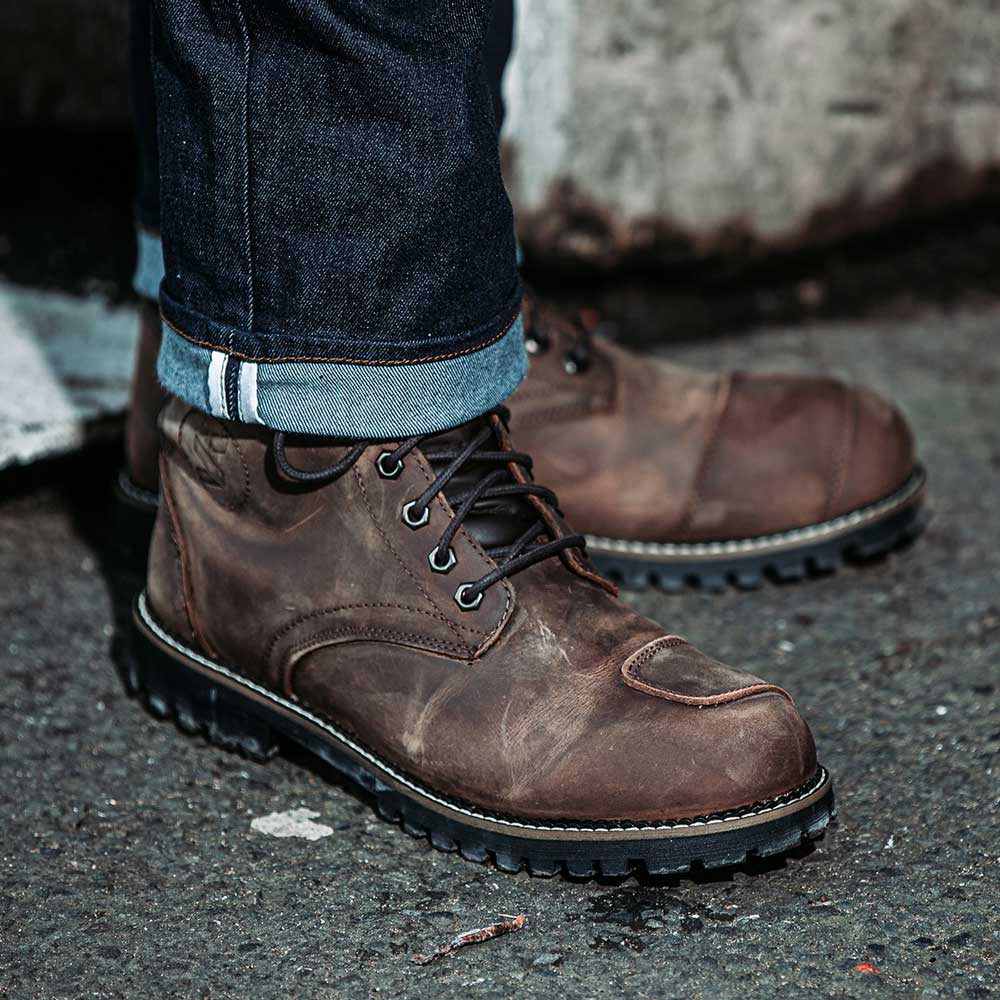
(538, 541)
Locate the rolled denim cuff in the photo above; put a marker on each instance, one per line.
(148, 264)
(345, 399)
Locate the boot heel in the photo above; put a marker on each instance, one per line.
(133, 515)
(172, 689)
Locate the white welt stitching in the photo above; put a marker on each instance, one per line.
(403, 780)
(809, 533)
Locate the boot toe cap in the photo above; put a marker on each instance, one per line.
(791, 451)
(881, 455)
(685, 737)
(728, 739)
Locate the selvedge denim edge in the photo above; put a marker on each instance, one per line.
(345, 399)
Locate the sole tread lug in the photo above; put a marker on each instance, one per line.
(748, 572)
(443, 842)
(781, 844)
(413, 829)
(615, 867)
(790, 572)
(187, 722)
(158, 704)
(661, 868)
(388, 808)
(507, 862)
(544, 869)
(581, 867)
(726, 860)
(473, 852)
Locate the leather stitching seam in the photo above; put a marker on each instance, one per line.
(631, 676)
(379, 633)
(187, 592)
(406, 569)
(302, 619)
(722, 401)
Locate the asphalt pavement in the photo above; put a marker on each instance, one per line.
(136, 861)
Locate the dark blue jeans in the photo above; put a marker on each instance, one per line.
(337, 244)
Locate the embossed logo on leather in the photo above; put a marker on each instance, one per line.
(215, 458)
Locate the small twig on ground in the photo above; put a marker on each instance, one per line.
(496, 930)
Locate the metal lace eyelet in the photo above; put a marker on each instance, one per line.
(389, 472)
(537, 345)
(467, 605)
(448, 563)
(414, 522)
(570, 365)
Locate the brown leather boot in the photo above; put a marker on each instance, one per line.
(678, 476)
(138, 485)
(417, 615)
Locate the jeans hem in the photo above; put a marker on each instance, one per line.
(344, 398)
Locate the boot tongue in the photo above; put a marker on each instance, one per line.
(493, 523)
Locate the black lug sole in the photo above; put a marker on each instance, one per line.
(232, 712)
(814, 550)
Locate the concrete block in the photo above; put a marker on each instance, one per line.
(64, 372)
(647, 131)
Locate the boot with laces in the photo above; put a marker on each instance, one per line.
(417, 614)
(683, 477)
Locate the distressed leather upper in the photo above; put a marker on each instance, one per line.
(640, 449)
(146, 399)
(551, 699)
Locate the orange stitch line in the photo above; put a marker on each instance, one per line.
(353, 361)
(374, 632)
(630, 673)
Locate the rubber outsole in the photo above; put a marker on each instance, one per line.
(814, 550)
(232, 712)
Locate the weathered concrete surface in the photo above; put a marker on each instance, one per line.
(64, 377)
(649, 131)
(129, 866)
